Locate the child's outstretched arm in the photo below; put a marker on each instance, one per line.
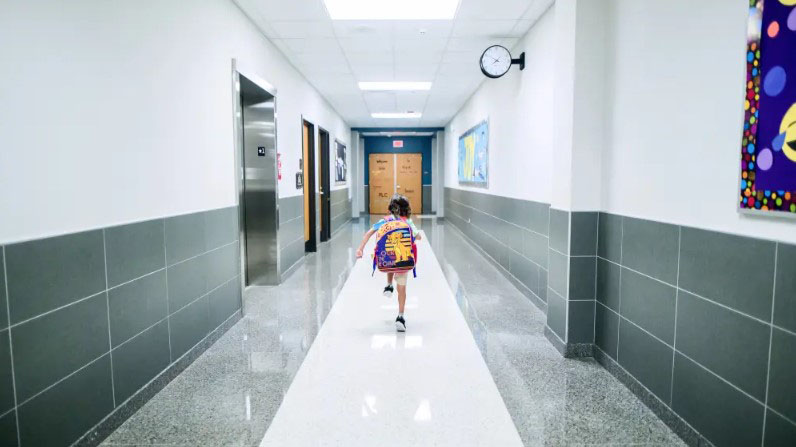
(365, 240)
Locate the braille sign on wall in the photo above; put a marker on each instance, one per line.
(261, 151)
(397, 143)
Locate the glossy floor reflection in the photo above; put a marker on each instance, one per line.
(363, 384)
(553, 401)
(230, 394)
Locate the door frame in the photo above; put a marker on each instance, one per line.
(395, 177)
(309, 185)
(325, 184)
(241, 69)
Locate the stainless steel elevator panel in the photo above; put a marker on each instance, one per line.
(259, 196)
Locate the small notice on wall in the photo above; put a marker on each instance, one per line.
(261, 151)
(279, 166)
(397, 143)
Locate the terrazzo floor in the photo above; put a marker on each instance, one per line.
(229, 396)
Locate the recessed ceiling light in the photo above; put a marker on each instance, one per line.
(398, 115)
(391, 9)
(390, 85)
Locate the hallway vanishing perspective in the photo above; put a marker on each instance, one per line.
(200, 203)
(365, 376)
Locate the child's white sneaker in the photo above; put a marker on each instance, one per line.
(388, 291)
(400, 324)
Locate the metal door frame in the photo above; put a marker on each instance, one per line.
(395, 175)
(239, 69)
(325, 219)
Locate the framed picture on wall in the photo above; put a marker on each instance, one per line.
(340, 164)
(768, 149)
(474, 156)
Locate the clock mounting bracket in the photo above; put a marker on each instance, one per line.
(519, 61)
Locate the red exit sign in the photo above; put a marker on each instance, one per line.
(397, 143)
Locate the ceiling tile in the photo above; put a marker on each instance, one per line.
(411, 101)
(472, 43)
(301, 30)
(316, 64)
(460, 69)
(483, 28)
(462, 56)
(538, 7)
(374, 29)
(373, 72)
(407, 29)
(365, 44)
(311, 45)
(333, 56)
(420, 45)
(277, 10)
(492, 9)
(418, 58)
(380, 101)
(370, 57)
(415, 72)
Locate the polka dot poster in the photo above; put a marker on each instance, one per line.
(768, 149)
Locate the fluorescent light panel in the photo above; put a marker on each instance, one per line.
(395, 86)
(391, 9)
(398, 115)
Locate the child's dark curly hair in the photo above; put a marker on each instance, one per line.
(399, 206)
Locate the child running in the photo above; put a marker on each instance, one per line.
(399, 209)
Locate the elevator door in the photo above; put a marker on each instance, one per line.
(259, 199)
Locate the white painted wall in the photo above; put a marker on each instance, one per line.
(676, 74)
(115, 112)
(588, 107)
(519, 108)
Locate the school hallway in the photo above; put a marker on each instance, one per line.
(317, 361)
(606, 191)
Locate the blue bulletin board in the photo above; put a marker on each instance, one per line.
(474, 156)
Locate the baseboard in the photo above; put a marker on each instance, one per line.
(676, 423)
(554, 340)
(125, 410)
(292, 269)
(579, 350)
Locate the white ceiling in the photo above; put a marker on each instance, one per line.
(335, 55)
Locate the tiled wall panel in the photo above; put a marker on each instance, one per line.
(291, 232)
(428, 198)
(95, 316)
(340, 208)
(513, 232)
(688, 314)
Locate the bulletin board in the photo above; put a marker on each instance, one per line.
(474, 156)
(768, 149)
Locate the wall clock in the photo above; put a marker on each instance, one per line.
(496, 61)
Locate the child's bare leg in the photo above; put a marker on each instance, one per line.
(401, 298)
(401, 283)
(390, 276)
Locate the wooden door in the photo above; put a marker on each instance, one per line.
(409, 179)
(305, 158)
(310, 236)
(382, 182)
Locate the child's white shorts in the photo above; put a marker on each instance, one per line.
(400, 279)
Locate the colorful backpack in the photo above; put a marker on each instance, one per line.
(396, 251)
